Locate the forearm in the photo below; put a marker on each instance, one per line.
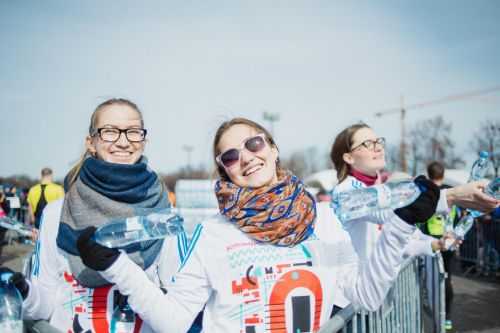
(147, 299)
(377, 274)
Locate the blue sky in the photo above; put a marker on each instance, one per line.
(321, 65)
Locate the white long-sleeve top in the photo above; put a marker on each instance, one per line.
(253, 287)
(55, 295)
(365, 235)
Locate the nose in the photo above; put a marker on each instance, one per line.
(246, 156)
(122, 140)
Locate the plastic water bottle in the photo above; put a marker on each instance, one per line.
(123, 318)
(493, 188)
(480, 167)
(461, 229)
(356, 203)
(11, 306)
(122, 232)
(478, 172)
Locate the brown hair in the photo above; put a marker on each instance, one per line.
(342, 144)
(240, 121)
(435, 170)
(75, 170)
(46, 172)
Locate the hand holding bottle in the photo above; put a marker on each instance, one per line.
(11, 303)
(94, 255)
(472, 196)
(17, 279)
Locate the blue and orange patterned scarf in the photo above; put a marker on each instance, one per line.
(282, 214)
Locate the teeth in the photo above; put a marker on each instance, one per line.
(253, 169)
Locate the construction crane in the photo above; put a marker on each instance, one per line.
(448, 99)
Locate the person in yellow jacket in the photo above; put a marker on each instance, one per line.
(436, 227)
(41, 194)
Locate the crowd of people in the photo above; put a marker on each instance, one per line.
(266, 262)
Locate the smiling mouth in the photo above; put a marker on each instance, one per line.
(121, 153)
(252, 170)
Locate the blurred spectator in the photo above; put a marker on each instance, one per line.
(41, 194)
(435, 227)
(14, 203)
(2, 215)
(171, 198)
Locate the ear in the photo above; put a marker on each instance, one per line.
(90, 145)
(347, 157)
(275, 153)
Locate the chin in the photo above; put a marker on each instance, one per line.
(127, 160)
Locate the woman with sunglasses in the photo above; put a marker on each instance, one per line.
(112, 180)
(266, 263)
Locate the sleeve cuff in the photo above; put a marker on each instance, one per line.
(442, 206)
(115, 271)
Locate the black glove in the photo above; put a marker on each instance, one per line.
(424, 207)
(93, 255)
(18, 280)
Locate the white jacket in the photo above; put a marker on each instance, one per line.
(56, 296)
(365, 235)
(252, 287)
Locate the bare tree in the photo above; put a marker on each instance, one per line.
(392, 157)
(487, 137)
(296, 163)
(429, 140)
(305, 162)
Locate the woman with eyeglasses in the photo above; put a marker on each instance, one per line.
(359, 157)
(112, 180)
(266, 263)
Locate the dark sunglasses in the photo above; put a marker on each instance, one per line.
(231, 156)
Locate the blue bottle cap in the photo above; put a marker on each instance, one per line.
(484, 154)
(5, 277)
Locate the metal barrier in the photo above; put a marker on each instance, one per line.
(481, 247)
(402, 309)
(433, 292)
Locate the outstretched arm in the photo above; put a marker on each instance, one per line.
(471, 195)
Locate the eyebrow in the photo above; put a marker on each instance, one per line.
(114, 126)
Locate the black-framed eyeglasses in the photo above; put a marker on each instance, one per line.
(371, 144)
(111, 134)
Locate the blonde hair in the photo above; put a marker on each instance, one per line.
(75, 170)
(241, 121)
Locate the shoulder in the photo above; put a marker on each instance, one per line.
(55, 187)
(34, 189)
(216, 232)
(217, 226)
(327, 223)
(348, 184)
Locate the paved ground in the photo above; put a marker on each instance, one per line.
(12, 255)
(476, 305)
(476, 302)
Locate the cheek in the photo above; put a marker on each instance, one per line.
(139, 148)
